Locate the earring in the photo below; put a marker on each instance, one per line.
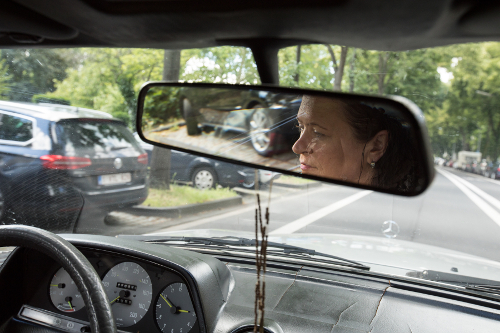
(372, 164)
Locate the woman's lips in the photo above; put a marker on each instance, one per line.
(304, 166)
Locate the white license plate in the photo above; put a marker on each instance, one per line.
(115, 179)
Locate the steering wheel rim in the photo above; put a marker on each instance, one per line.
(74, 262)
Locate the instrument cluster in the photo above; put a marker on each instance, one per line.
(139, 293)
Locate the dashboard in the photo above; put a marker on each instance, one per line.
(157, 288)
(144, 297)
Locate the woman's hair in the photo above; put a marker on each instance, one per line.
(397, 168)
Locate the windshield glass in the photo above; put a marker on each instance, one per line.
(71, 160)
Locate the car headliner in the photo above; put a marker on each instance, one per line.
(181, 24)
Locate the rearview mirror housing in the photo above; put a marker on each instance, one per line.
(368, 142)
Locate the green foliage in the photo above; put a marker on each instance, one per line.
(185, 195)
(471, 108)
(225, 64)
(33, 71)
(458, 117)
(161, 105)
(4, 79)
(109, 79)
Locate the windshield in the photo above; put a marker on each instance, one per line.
(71, 160)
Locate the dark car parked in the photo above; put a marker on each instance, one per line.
(265, 117)
(492, 170)
(203, 172)
(53, 160)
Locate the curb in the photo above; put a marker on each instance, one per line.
(164, 128)
(179, 211)
(300, 186)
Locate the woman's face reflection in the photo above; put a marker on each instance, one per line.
(327, 145)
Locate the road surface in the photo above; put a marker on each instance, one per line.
(460, 211)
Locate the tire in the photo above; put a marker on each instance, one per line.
(190, 117)
(248, 183)
(260, 123)
(204, 178)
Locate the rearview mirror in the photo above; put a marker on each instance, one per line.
(361, 141)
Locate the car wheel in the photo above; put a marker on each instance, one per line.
(260, 135)
(190, 117)
(204, 178)
(249, 183)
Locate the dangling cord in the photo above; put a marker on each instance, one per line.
(362, 159)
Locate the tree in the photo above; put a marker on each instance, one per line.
(160, 160)
(4, 79)
(338, 68)
(109, 79)
(32, 71)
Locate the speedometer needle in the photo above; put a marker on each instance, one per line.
(174, 308)
(114, 300)
(69, 299)
(166, 300)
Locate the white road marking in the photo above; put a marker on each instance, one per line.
(480, 192)
(310, 218)
(196, 223)
(460, 183)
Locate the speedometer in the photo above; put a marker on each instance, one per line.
(129, 291)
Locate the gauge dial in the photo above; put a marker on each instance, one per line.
(129, 291)
(174, 311)
(63, 292)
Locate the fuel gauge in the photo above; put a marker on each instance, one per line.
(63, 292)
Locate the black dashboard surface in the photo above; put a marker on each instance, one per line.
(298, 298)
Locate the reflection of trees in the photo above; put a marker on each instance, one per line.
(15, 129)
(98, 137)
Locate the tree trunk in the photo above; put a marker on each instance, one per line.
(351, 71)
(171, 65)
(383, 58)
(339, 72)
(240, 71)
(160, 160)
(296, 77)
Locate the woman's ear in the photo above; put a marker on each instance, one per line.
(376, 146)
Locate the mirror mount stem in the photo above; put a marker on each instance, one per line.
(265, 53)
(266, 59)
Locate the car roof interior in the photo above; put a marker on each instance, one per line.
(263, 25)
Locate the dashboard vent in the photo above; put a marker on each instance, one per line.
(249, 329)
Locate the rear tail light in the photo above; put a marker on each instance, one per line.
(498, 169)
(65, 162)
(143, 159)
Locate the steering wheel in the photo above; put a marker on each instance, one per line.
(74, 262)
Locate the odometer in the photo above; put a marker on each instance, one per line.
(129, 291)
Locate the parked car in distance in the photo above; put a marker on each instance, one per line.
(492, 170)
(55, 158)
(205, 173)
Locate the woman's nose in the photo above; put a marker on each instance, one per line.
(301, 146)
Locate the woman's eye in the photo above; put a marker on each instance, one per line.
(300, 127)
(318, 134)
